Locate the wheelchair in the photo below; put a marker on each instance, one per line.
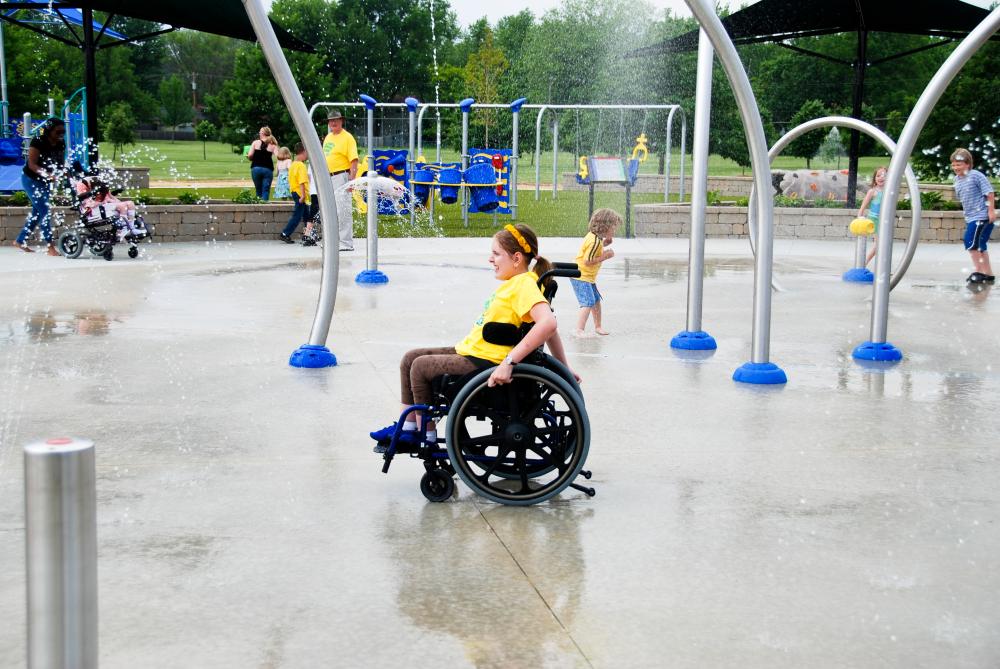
(97, 230)
(518, 444)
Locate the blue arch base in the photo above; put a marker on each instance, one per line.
(878, 352)
(371, 276)
(760, 373)
(859, 275)
(693, 341)
(312, 357)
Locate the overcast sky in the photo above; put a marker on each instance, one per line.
(469, 11)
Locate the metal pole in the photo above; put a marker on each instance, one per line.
(26, 138)
(371, 248)
(860, 65)
(904, 147)
(52, 107)
(3, 81)
(411, 105)
(860, 251)
(759, 369)
(315, 353)
(515, 108)
(699, 182)
(555, 154)
(684, 130)
(60, 526)
(666, 156)
(465, 105)
(90, 83)
(538, 153)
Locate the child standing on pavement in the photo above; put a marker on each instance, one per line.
(298, 183)
(592, 253)
(282, 191)
(976, 195)
(873, 201)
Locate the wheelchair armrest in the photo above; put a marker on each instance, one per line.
(502, 334)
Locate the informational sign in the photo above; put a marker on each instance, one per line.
(606, 169)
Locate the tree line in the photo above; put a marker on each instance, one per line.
(580, 52)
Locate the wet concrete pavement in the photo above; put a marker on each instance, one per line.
(846, 519)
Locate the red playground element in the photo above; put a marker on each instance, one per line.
(498, 166)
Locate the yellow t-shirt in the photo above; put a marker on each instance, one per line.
(511, 303)
(340, 151)
(591, 249)
(298, 176)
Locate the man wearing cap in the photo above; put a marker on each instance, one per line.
(342, 161)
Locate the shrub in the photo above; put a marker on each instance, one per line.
(18, 199)
(187, 197)
(247, 196)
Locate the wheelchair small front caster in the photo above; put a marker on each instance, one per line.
(133, 252)
(437, 485)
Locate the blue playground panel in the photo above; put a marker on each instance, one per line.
(11, 164)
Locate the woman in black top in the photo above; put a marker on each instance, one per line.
(46, 156)
(262, 162)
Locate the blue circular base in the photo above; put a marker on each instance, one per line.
(312, 357)
(881, 352)
(760, 373)
(859, 275)
(371, 276)
(693, 341)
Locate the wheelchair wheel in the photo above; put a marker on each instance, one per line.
(437, 485)
(109, 254)
(133, 252)
(70, 244)
(521, 443)
(99, 248)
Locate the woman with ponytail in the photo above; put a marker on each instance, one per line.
(517, 265)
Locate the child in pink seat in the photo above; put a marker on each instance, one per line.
(101, 203)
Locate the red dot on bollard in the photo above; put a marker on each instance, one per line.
(60, 441)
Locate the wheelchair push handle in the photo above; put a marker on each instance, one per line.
(565, 269)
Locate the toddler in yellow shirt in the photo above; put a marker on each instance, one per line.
(592, 253)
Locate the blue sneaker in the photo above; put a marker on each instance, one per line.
(385, 434)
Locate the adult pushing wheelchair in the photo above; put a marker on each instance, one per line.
(519, 443)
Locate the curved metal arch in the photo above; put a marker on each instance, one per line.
(878, 136)
(704, 13)
(904, 147)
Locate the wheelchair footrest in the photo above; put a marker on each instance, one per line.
(589, 492)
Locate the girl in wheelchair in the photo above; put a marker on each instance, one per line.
(98, 202)
(517, 301)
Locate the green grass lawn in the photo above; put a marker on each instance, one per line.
(183, 161)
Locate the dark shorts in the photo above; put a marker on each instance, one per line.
(587, 294)
(977, 234)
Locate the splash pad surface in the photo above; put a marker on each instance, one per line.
(243, 519)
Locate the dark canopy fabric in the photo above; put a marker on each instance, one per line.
(221, 17)
(776, 20)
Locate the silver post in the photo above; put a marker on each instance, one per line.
(699, 183)
(52, 107)
(759, 369)
(411, 104)
(514, 152)
(372, 246)
(555, 154)
(538, 153)
(860, 251)
(904, 147)
(465, 106)
(684, 131)
(60, 523)
(26, 138)
(667, 151)
(3, 84)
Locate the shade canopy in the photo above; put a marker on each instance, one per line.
(220, 17)
(779, 20)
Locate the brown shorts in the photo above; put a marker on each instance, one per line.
(420, 365)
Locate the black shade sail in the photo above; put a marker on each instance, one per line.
(778, 20)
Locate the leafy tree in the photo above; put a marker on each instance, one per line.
(174, 103)
(118, 126)
(205, 132)
(483, 73)
(808, 144)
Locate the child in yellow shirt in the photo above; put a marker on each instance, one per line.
(592, 253)
(298, 183)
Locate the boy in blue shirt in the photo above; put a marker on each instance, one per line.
(975, 192)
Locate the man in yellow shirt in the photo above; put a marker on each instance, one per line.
(342, 161)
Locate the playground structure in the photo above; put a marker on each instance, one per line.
(713, 39)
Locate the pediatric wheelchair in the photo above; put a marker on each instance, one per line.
(517, 444)
(98, 229)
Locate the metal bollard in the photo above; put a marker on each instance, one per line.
(60, 521)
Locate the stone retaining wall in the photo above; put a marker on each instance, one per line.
(663, 220)
(183, 223)
(734, 186)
